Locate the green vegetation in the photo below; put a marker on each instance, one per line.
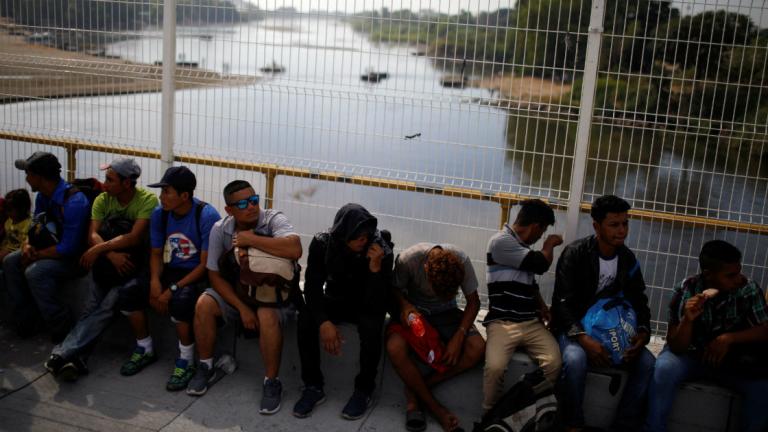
(655, 64)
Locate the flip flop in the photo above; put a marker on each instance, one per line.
(415, 421)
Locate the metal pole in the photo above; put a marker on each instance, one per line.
(505, 206)
(268, 203)
(71, 164)
(169, 84)
(585, 118)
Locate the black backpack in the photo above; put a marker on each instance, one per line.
(529, 406)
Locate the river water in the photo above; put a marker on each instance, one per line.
(319, 115)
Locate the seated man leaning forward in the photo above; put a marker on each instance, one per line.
(588, 270)
(36, 274)
(117, 260)
(348, 277)
(718, 329)
(246, 226)
(427, 279)
(179, 232)
(517, 315)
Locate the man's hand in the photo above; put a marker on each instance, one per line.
(160, 303)
(28, 255)
(155, 290)
(243, 239)
(545, 315)
(331, 338)
(694, 307)
(249, 318)
(596, 352)
(553, 240)
(89, 257)
(638, 342)
(453, 349)
(121, 261)
(375, 255)
(406, 309)
(717, 349)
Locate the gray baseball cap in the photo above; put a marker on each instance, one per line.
(126, 167)
(40, 163)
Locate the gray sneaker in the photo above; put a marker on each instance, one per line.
(199, 383)
(271, 393)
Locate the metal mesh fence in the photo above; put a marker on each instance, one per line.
(472, 95)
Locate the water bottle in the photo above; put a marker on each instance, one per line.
(416, 324)
(226, 363)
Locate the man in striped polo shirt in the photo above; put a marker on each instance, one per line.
(518, 315)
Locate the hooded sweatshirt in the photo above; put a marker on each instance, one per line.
(344, 273)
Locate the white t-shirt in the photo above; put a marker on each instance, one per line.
(607, 272)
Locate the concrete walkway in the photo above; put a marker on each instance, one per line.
(31, 399)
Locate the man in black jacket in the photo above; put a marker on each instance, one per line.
(354, 263)
(589, 269)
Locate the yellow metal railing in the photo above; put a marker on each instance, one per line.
(271, 171)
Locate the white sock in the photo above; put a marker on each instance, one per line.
(187, 352)
(146, 343)
(266, 378)
(208, 362)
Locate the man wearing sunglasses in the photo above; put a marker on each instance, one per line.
(246, 226)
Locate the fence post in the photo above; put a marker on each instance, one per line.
(594, 40)
(505, 206)
(71, 163)
(270, 176)
(169, 85)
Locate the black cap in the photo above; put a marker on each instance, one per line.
(179, 178)
(41, 163)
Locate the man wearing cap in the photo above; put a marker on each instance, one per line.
(179, 231)
(246, 226)
(35, 273)
(117, 238)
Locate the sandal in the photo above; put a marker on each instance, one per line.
(415, 421)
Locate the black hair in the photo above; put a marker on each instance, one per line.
(50, 175)
(235, 186)
(535, 211)
(608, 204)
(179, 191)
(715, 253)
(19, 200)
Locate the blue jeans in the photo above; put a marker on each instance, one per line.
(573, 379)
(673, 369)
(98, 313)
(38, 284)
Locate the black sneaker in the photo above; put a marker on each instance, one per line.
(72, 371)
(356, 406)
(272, 393)
(54, 364)
(199, 383)
(311, 397)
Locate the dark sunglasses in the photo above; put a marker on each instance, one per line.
(243, 203)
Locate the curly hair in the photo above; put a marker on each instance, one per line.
(445, 272)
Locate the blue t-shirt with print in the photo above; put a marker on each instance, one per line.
(180, 243)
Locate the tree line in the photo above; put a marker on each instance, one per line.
(655, 63)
